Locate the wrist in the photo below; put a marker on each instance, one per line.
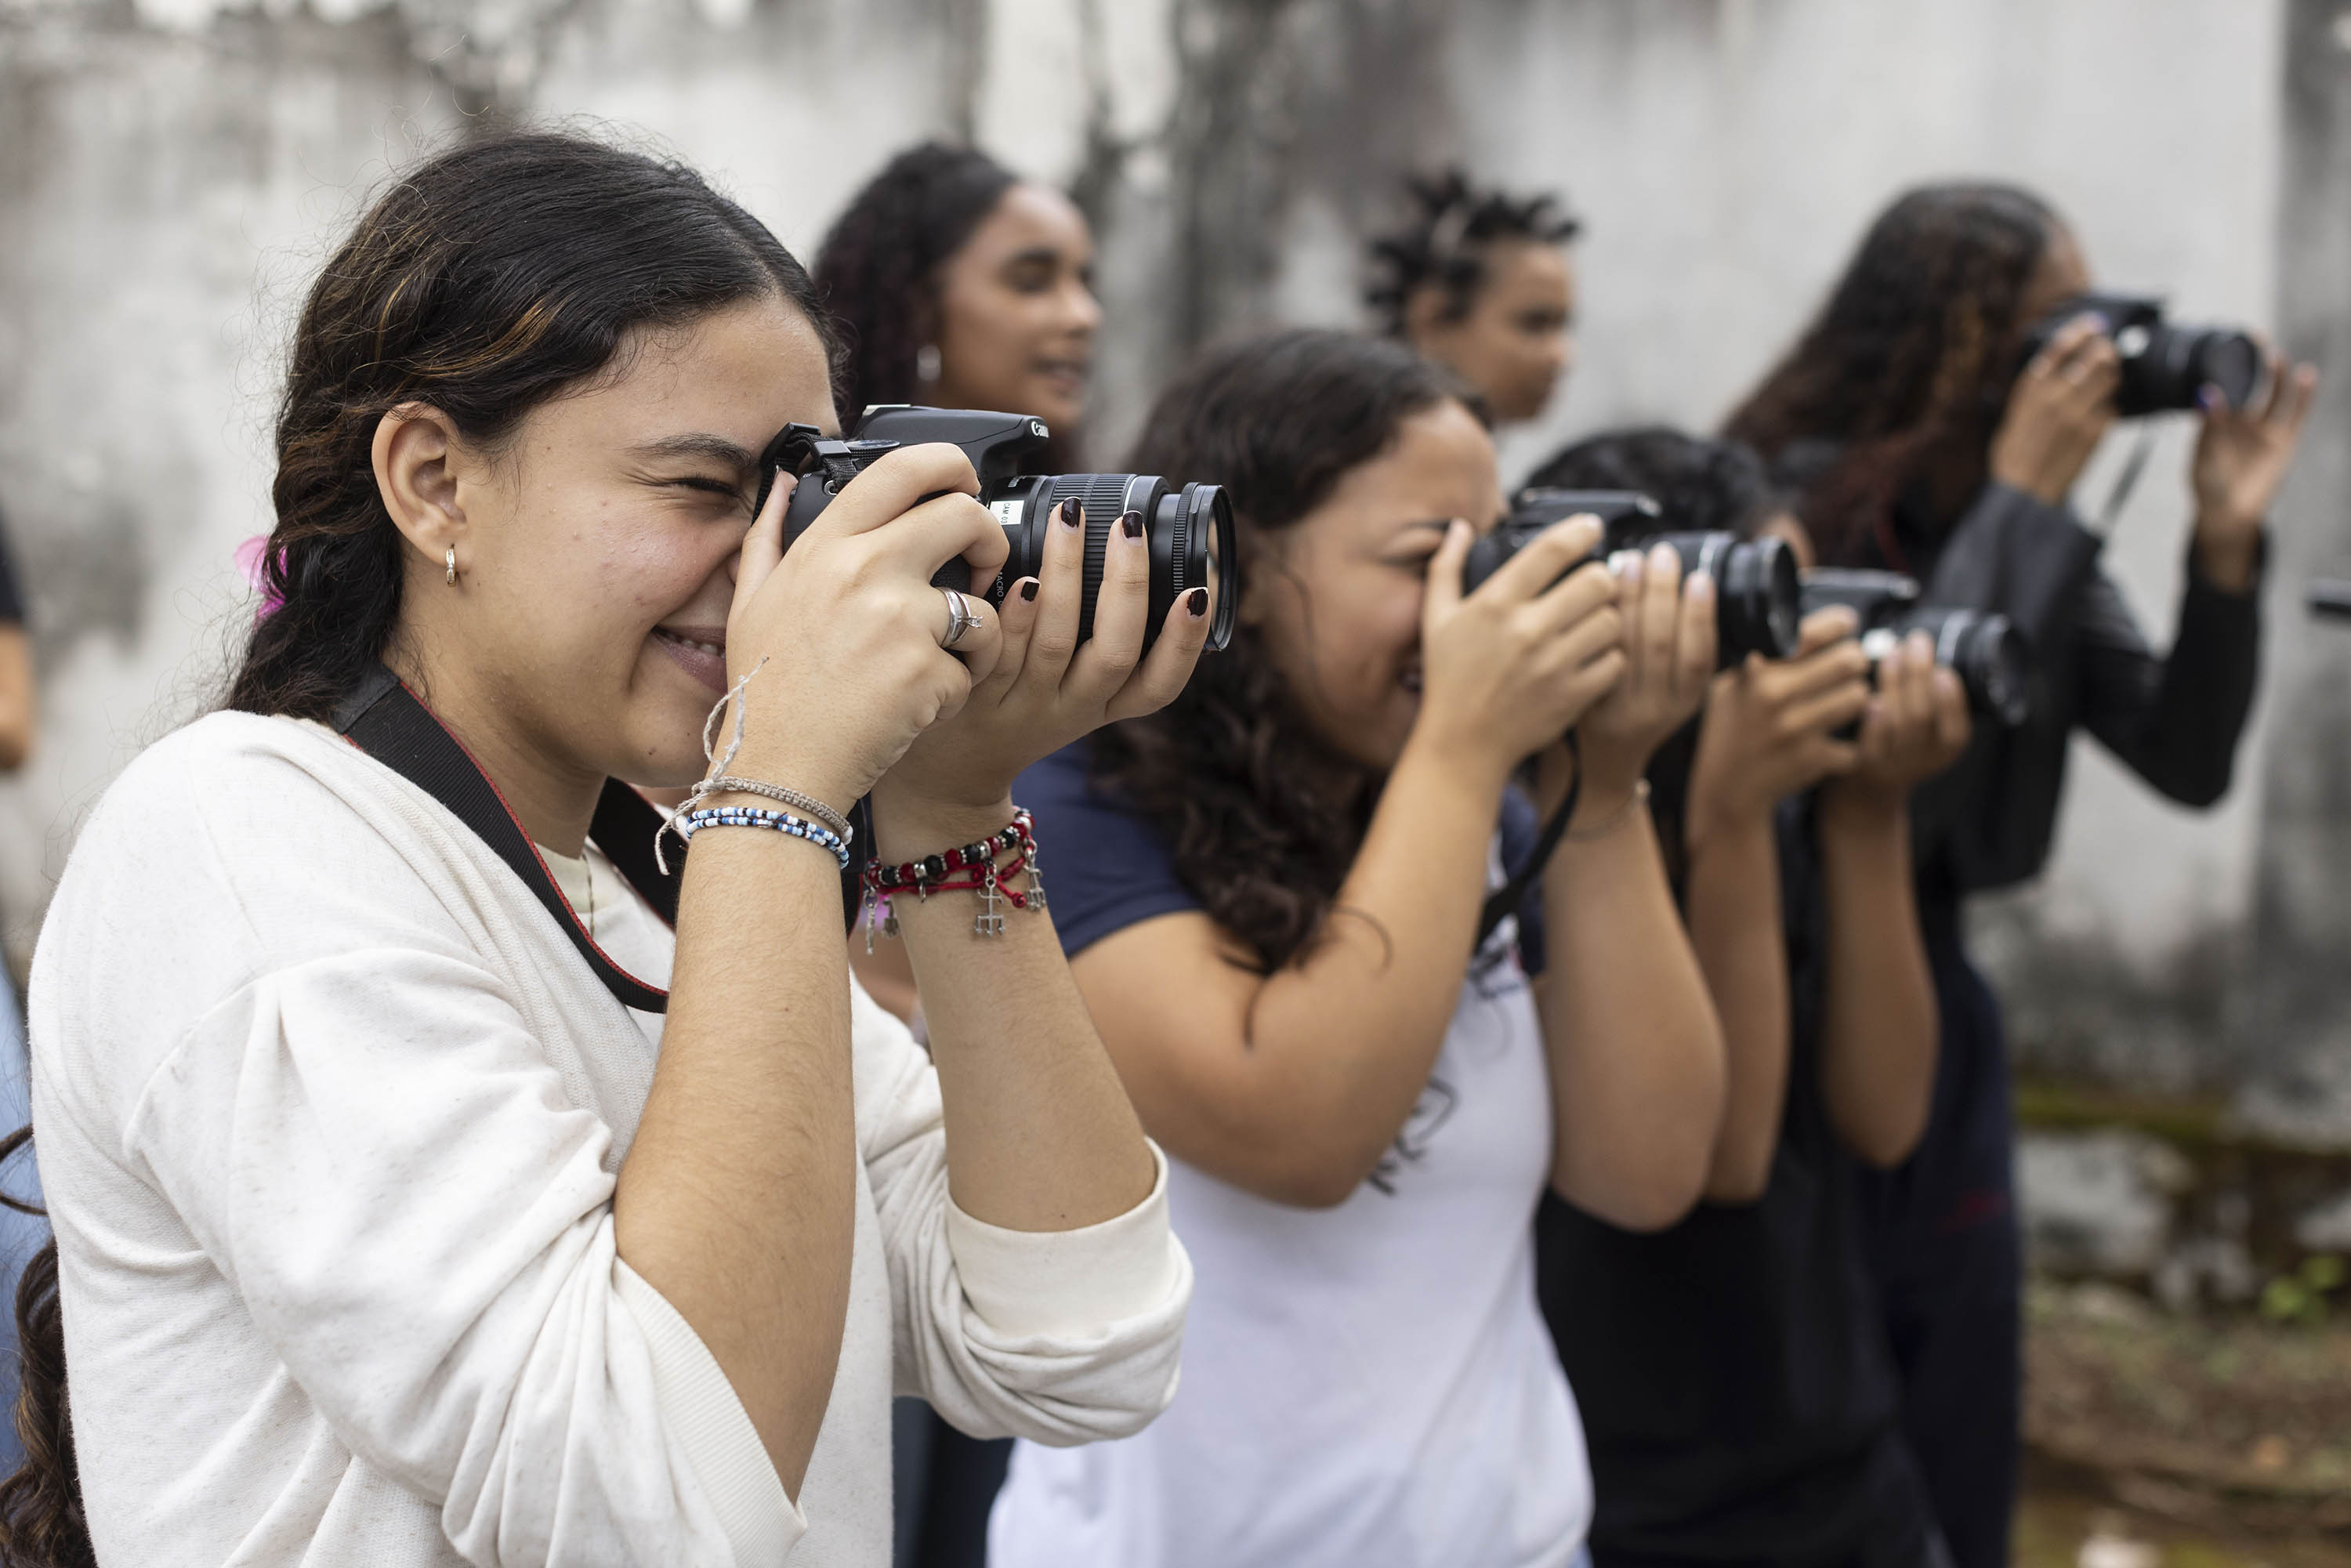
(2228, 551)
(1856, 807)
(1707, 826)
(908, 828)
(1472, 770)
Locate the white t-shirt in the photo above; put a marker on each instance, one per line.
(1367, 1387)
(329, 1115)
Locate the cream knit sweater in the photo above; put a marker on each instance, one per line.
(330, 1113)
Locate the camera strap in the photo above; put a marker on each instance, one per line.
(389, 722)
(1505, 899)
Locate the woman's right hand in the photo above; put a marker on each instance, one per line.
(2058, 412)
(849, 625)
(1508, 670)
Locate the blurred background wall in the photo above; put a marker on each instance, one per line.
(171, 171)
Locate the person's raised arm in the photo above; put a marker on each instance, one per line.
(1879, 1022)
(1767, 732)
(19, 697)
(1040, 1136)
(1637, 1054)
(1292, 1085)
(737, 1202)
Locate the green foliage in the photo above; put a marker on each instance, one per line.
(2300, 1297)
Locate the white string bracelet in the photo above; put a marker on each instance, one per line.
(1616, 818)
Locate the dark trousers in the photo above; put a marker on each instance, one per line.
(1940, 1233)
(945, 1484)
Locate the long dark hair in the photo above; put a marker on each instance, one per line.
(1905, 372)
(879, 268)
(1263, 816)
(1445, 241)
(483, 281)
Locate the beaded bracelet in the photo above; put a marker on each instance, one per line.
(725, 783)
(689, 823)
(968, 868)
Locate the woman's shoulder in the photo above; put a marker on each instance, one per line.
(232, 813)
(240, 771)
(1107, 865)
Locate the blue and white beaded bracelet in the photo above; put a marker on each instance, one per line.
(689, 823)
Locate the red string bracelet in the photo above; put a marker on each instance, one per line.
(968, 868)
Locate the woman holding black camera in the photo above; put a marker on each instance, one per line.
(1919, 445)
(386, 1232)
(1732, 1369)
(1272, 893)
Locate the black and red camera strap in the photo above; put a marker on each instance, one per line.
(385, 718)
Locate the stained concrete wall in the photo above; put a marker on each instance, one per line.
(169, 170)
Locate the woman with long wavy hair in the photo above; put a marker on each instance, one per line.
(1918, 444)
(428, 1188)
(1273, 892)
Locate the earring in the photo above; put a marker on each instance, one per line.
(449, 564)
(926, 362)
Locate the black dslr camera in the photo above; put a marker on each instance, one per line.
(1757, 594)
(2163, 365)
(1190, 531)
(1984, 651)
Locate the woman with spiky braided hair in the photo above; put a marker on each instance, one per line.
(1478, 280)
(1915, 443)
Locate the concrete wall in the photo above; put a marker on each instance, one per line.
(170, 169)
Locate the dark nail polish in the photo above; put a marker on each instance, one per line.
(1195, 603)
(1028, 588)
(1132, 523)
(1071, 514)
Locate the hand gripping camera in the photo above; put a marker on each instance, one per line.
(1758, 596)
(1984, 651)
(1190, 531)
(2163, 365)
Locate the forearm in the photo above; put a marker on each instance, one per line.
(736, 1201)
(1040, 1134)
(1342, 1044)
(19, 704)
(1636, 1054)
(1733, 906)
(1879, 1025)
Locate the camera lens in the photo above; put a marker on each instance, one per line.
(1759, 596)
(1190, 533)
(1986, 652)
(2164, 367)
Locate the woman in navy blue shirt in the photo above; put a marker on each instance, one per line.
(1272, 903)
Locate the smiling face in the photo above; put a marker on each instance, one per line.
(597, 546)
(1017, 311)
(1338, 603)
(1513, 344)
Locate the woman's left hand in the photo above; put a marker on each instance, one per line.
(1043, 688)
(2241, 458)
(1668, 640)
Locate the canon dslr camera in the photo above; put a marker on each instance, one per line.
(2164, 365)
(1983, 650)
(1758, 596)
(1190, 531)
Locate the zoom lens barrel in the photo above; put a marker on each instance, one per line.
(1190, 529)
(1759, 593)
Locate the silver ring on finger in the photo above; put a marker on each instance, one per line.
(960, 619)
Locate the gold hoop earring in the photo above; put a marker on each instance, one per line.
(449, 564)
